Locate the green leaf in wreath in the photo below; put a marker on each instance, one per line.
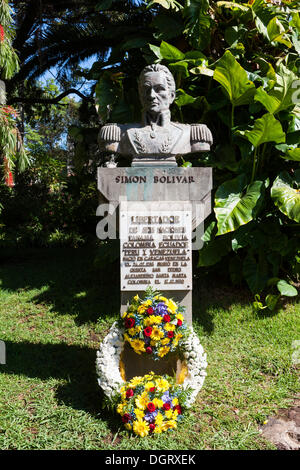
(236, 203)
(266, 129)
(285, 196)
(234, 80)
(286, 289)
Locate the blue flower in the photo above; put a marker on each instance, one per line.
(150, 417)
(161, 309)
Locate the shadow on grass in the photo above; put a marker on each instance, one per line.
(74, 364)
(69, 281)
(210, 293)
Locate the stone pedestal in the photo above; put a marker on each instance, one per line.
(157, 210)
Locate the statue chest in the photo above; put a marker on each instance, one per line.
(159, 140)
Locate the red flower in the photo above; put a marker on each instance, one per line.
(2, 34)
(178, 408)
(179, 322)
(148, 331)
(170, 334)
(9, 179)
(152, 389)
(150, 310)
(166, 406)
(129, 322)
(126, 417)
(151, 407)
(151, 427)
(129, 393)
(148, 350)
(166, 318)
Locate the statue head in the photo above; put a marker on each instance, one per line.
(156, 88)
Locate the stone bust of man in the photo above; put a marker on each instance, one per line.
(156, 141)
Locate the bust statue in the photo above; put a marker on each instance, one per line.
(157, 140)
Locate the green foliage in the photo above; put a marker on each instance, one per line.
(52, 211)
(9, 63)
(11, 146)
(285, 196)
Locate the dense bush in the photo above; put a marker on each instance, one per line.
(35, 215)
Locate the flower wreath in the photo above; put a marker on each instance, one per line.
(155, 325)
(110, 370)
(151, 404)
(111, 378)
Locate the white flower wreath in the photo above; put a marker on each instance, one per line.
(109, 355)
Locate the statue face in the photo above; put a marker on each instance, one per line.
(156, 94)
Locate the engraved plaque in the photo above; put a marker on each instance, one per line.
(155, 241)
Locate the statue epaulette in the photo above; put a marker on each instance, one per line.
(201, 133)
(111, 132)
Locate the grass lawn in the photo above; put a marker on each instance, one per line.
(55, 308)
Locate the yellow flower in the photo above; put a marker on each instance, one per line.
(128, 426)
(157, 402)
(159, 419)
(147, 321)
(157, 319)
(171, 306)
(175, 401)
(142, 309)
(127, 338)
(135, 381)
(163, 351)
(136, 298)
(157, 429)
(169, 413)
(120, 408)
(162, 384)
(142, 400)
(175, 414)
(163, 299)
(149, 376)
(140, 428)
(139, 413)
(123, 314)
(165, 341)
(169, 327)
(178, 336)
(147, 303)
(152, 320)
(149, 385)
(171, 424)
(179, 316)
(135, 330)
(153, 343)
(157, 334)
(138, 345)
